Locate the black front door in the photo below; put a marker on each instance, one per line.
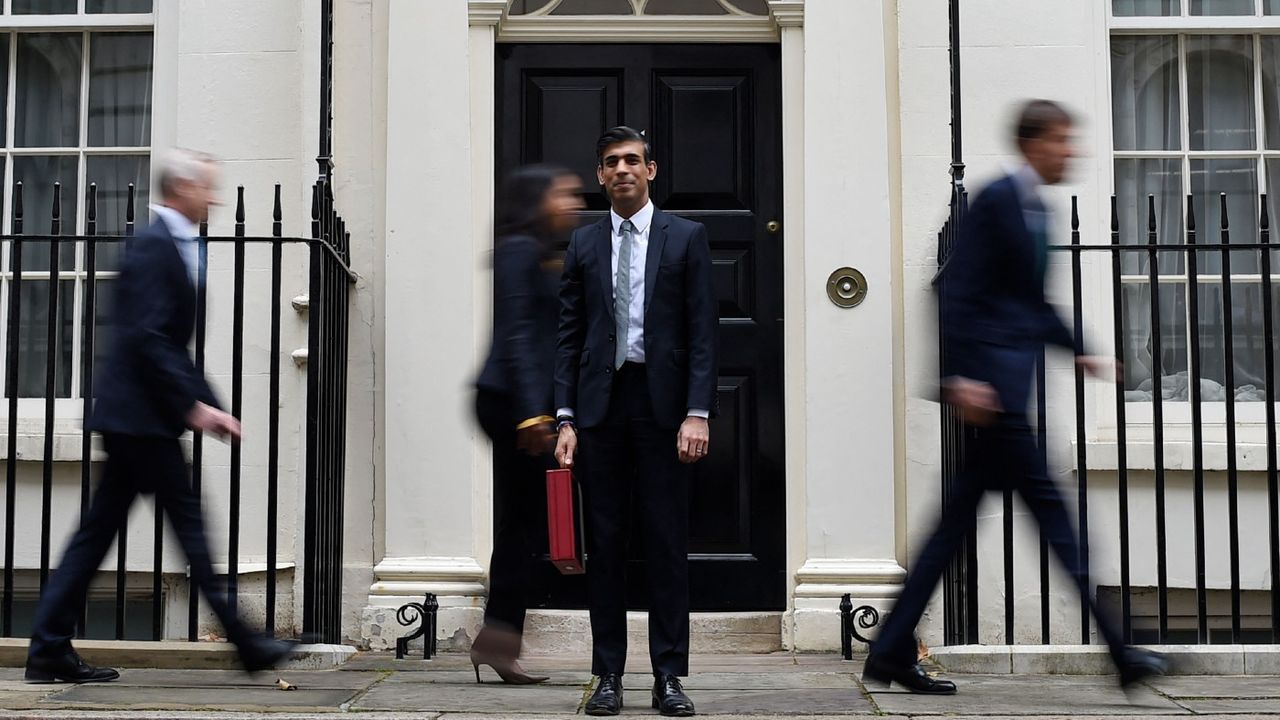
(713, 115)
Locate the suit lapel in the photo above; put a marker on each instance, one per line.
(604, 258)
(653, 259)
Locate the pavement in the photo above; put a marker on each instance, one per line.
(375, 686)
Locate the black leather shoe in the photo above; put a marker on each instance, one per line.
(669, 698)
(607, 699)
(69, 668)
(1138, 665)
(263, 653)
(912, 677)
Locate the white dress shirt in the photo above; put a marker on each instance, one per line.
(1034, 211)
(185, 237)
(642, 220)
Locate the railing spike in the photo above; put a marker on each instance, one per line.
(1264, 219)
(56, 215)
(129, 207)
(277, 213)
(1191, 213)
(315, 209)
(1222, 206)
(1151, 213)
(1075, 212)
(1115, 215)
(239, 204)
(91, 211)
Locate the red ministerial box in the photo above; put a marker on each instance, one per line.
(564, 523)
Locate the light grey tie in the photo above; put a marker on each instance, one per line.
(622, 295)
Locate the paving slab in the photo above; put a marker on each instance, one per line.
(647, 712)
(578, 678)
(488, 699)
(121, 696)
(1199, 686)
(810, 701)
(698, 681)
(1029, 695)
(1104, 717)
(387, 662)
(206, 715)
(1251, 706)
(304, 679)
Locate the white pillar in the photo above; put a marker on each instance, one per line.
(437, 508)
(842, 415)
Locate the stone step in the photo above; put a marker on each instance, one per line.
(1094, 659)
(549, 632)
(177, 654)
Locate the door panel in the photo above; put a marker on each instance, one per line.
(711, 112)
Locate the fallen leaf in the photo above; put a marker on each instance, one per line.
(285, 684)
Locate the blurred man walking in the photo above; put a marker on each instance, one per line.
(150, 393)
(996, 323)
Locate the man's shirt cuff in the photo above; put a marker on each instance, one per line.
(699, 413)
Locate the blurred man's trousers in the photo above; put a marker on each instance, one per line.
(1001, 457)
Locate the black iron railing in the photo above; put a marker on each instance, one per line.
(1172, 258)
(330, 284)
(321, 470)
(960, 579)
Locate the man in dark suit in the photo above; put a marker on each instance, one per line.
(636, 376)
(996, 322)
(149, 393)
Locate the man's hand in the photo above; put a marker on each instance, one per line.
(693, 440)
(209, 419)
(977, 401)
(566, 446)
(536, 439)
(1100, 366)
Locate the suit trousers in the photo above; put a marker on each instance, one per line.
(628, 459)
(519, 482)
(134, 465)
(1003, 456)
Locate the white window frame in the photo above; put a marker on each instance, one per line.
(66, 408)
(1250, 416)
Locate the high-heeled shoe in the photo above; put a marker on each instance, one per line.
(498, 649)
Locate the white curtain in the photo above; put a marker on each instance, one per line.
(1220, 116)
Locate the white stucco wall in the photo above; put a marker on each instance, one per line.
(866, 155)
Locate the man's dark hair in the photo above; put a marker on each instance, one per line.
(620, 134)
(1038, 117)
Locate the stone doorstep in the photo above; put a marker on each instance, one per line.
(1094, 660)
(549, 632)
(177, 654)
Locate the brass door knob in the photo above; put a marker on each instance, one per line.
(773, 226)
(847, 287)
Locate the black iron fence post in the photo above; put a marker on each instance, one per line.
(11, 387)
(1273, 491)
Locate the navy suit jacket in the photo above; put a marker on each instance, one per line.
(681, 322)
(995, 318)
(148, 382)
(525, 311)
